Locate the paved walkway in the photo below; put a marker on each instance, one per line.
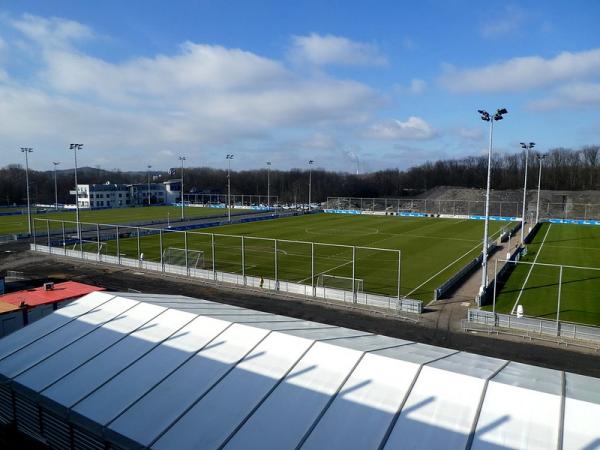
(453, 309)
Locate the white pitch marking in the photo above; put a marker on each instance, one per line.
(512, 311)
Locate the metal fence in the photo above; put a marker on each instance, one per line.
(315, 270)
(533, 327)
(236, 199)
(548, 210)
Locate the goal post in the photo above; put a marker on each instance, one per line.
(177, 257)
(325, 280)
(90, 246)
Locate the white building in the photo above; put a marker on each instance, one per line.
(106, 195)
(109, 195)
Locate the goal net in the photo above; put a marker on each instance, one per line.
(337, 282)
(90, 246)
(176, 257)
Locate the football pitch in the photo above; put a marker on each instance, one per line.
(18, 223)
(431, 250)
(536, 287)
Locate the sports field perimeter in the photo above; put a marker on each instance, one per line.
(18, 223)
(432, 250)
(536, 287)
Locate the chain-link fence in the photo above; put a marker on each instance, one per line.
(548, 291)
(548, 210)
(361, 275)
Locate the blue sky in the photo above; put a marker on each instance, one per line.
(392, 84)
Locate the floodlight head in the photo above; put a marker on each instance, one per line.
(482, 112)
(268, 163)
(311, 161)
(484, 115)
(531, 144)
(26, 149)
(523, 145)
(498, 117)
(56, 163)
(502, 111)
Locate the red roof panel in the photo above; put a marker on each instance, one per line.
(38, 296)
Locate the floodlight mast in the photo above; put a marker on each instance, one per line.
(27, 150)
(268, 184)
(485, 116)
(76, 147)
(310, 163)
(527, 147)
(55, 185)
(148, 181)
(182, 159)
(537, 213)
(229, 158)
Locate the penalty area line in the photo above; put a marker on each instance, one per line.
(512, 311)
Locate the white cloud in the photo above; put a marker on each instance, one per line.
(518, 74)
(414, 128)
(322, 50)
(198, 97)
(572, 95)
(52, 32)
(416, 87)
(507, 21)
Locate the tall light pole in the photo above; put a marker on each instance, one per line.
(76, 147)
(527, 147)
(229, 158)
(182, 159)
(491, 119)
(148, 181)
(537, 214)
(55, 186)
(310, 163)
(27, 150)
(268, 184)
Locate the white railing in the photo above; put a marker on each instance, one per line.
(279, 286)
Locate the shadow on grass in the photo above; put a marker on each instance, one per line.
(540, 286)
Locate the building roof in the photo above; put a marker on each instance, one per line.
(7, 307)
(138, 370)
(38, 296)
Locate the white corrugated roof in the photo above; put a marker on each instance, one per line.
(174, 372)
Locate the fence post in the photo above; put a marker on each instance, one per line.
(398, 292)
(312, 268)
(276, 272)
(185, 244)
(160, 249)
(494, 294)
(80, 233)
(212, 245)
(98, 239)
(243, 260)
(138, 246)
(354, 274)
(63, 236)
(118, 246)
(558, 302)
(48, 235)
(34, 240)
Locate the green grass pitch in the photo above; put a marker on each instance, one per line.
(432, 249)
(18, 223)
(572, 245)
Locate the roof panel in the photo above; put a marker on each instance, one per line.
(297, 402)
(582, 412)
(41, 328)
(85, 379)
(517, 417)
(37, 351)
(416, 353)
(72, 356)
(112, 398)
(360, 415)
(236, 395)
(174, 395)
(439, 411)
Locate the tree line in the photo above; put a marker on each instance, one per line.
(563, 169)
